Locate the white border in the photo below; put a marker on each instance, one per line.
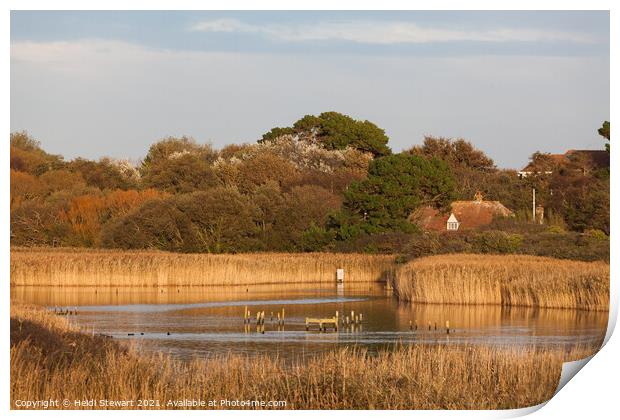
(593, 393)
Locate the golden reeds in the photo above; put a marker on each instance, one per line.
(103, 268)
(510, 280)
(51, 360)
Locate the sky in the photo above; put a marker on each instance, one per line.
(95, 84)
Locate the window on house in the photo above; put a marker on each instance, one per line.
(453, 225)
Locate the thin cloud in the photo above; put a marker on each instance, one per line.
(368, 32)
(125, 96)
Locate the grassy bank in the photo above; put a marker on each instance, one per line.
(69, 267)
(515, 280)
(51, 360)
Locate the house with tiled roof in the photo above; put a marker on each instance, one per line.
(595, 159)
(463, 215)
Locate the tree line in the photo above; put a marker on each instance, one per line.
(326, 183)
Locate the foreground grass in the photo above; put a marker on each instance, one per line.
(52, 360)
(104, 268)
(510, 280)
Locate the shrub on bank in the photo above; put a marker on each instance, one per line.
(566, 245)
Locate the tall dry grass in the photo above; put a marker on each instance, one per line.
(101, 268)
(510, 280)
(51, 360)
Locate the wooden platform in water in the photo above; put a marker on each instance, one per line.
(322, 323)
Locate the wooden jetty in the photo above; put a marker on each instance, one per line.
(322, 323)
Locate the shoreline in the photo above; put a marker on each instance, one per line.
(470, 279)
(79, 365)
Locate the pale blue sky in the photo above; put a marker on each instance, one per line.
(98, 84)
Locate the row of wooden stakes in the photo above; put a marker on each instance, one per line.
(260, 317)
(414, 326)
(354, 320)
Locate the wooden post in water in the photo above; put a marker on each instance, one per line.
(282, 316)
(435, 325)
(429, 325)
(410, 325)
(447, 327)
(361, 319)
(245, 315)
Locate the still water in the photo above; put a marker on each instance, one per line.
(190, 321)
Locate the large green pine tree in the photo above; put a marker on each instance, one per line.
(396, 186)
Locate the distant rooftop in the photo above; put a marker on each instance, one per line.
(469, 214)
(596, 158)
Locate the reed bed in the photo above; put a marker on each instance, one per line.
(509, 280)
(104, 268)
(52, 360)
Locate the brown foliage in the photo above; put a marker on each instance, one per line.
(62, 180)
(265, 167)
(24, 187)
(102, 174)
(86, 214)
(27, 155)
(181, 174)
(455, 152)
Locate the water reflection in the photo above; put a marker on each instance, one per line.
(191, 321)
(91, 296)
